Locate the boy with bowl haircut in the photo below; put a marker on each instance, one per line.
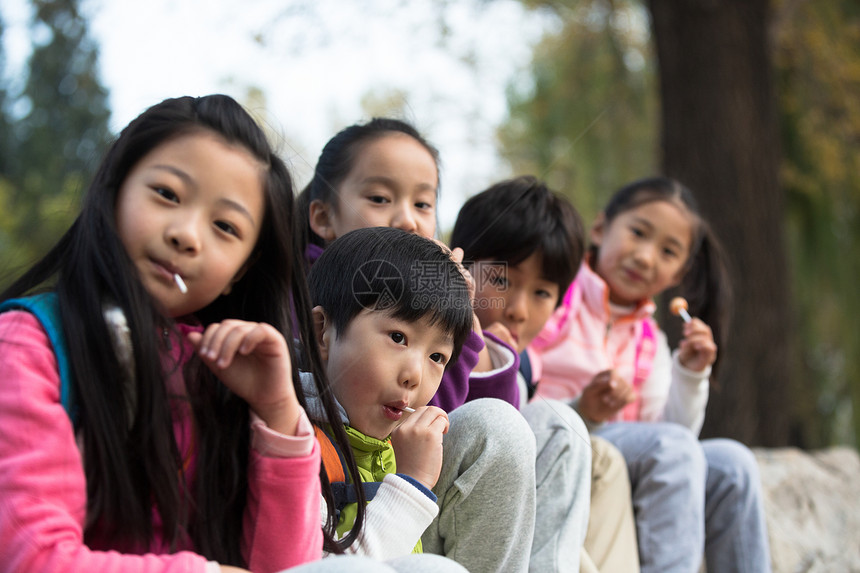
(392, 310)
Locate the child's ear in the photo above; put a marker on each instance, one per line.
(323, 331)
(597, 229)
(320, 217)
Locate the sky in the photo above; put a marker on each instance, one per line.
(449, 63)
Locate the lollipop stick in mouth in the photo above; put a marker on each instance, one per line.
(180, 283)
(408, 409)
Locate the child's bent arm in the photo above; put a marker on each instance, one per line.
(688, 396)
(501, 381)
(283, 495)
(396, 518)
(673, 393)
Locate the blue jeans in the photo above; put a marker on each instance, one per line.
(691, 497)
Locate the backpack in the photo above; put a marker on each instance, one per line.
(45, 307)
(335, 468)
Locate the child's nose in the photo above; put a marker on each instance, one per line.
(515, 307)
(410, 375)
(645, 254)
(404, 219)
(184, 235)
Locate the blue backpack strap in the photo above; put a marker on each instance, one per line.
(528, 374)
(45, 307)
(344, 493)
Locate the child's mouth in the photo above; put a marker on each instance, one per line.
(392, 413)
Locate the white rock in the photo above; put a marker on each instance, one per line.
(812, 501)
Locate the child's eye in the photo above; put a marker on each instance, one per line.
(166, 193)
(398, 337)
(542, 293)
(637, 231)
(438, 358)
(227, 228)
(671, 253)
(379, 199)
(423, 205)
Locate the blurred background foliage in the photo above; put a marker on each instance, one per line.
(54, 128)
(585, 116)
(587, 121)
(816, 48)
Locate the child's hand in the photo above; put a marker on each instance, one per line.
(417, 444)
(252, 360)
(697, 349)
(605, 396)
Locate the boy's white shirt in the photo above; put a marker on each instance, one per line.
(397, 515)
(396, 518)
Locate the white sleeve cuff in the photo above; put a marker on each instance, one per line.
(685, 374)
(501, 358)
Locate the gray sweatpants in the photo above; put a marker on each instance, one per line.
(514, 489)
(563, 473)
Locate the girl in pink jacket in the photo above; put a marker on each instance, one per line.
(603, 353)
(150, 417)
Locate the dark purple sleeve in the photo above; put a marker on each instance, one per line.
(454, 387)
(502, 385)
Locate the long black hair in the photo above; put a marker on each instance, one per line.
(336, 161)
(131, 458)
(706, 284)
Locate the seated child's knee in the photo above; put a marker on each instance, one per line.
(679, 447)
(735, 463)
(494, 423)
(608, 462)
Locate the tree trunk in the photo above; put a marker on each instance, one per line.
(719, 137)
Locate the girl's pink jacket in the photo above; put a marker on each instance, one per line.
(585, 336)
(43, 486)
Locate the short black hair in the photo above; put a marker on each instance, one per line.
(389, 270)
(515, 218)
